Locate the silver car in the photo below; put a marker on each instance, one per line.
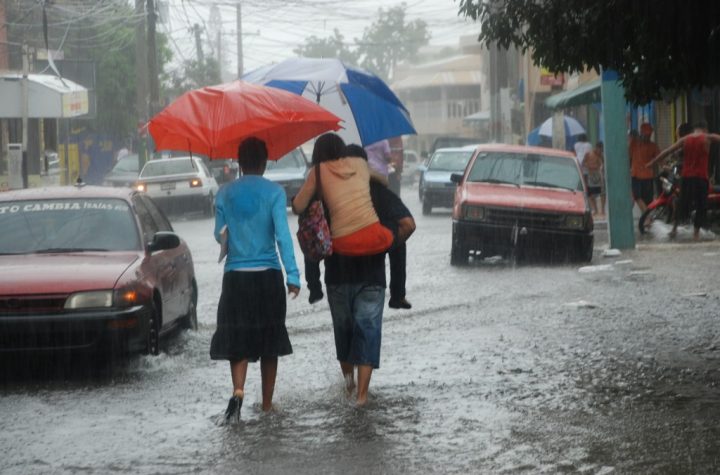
(435, 187)
(288, 172)
(179, 185)
(125, 172)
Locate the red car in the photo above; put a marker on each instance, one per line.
(512, 200)
(90, 268)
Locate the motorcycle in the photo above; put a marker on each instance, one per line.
(666, 204)
(663, 207)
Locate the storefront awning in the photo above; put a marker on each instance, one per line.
(588, 93)
(477, 118)
(49, 97)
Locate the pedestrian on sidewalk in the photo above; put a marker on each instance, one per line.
(695, 177)
(252, 307)
(594, 164)
(641, 151)
(582, 147)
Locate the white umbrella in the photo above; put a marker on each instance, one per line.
(572, 127)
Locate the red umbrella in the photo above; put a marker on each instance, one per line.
(212, 121)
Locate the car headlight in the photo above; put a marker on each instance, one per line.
(93, 299)
(141, 187)
(473, 213)
(575, 221)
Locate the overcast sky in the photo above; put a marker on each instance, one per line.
(273, 28)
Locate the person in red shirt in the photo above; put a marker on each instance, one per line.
(695, 180)
(641, 151)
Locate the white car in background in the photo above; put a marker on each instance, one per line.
(180, 184)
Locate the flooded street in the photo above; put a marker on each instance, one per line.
(607, 368)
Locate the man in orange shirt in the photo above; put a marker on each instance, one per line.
(642, 151)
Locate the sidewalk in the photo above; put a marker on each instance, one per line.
(658, 235)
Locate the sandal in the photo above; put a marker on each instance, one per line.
(232, 413)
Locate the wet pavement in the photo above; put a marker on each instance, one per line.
(612, 367)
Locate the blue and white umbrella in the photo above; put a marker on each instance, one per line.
(572, 127)
(369, 109)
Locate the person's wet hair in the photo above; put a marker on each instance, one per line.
(701, 124)
(582, 138)
(328, 147)
(684, 129)
(252, 153)
(355, 150)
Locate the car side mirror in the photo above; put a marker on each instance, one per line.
(163, 240)
(456, 178)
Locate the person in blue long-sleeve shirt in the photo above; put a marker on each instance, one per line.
(252, 307)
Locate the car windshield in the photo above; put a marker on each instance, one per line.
(67, 225)
(449, 161)
(291, 160)
(163, 167)
(522, 169)
(129, 163)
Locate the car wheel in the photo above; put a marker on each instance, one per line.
(189, 321)
(458, 252)
(650, 215)
(587, 253)
(426, 207)
(152, 339)
(209, 209)
(583, 251)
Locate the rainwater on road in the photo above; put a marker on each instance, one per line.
(498, 368)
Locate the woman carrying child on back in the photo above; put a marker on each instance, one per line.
(345, 186)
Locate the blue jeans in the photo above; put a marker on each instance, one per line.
(357, 311)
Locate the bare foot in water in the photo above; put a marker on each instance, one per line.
(349, 384)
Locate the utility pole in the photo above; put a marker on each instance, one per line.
(617, 173)
(197, 31)
(216, 19)
(494, 85)
(3, 40)
(240, 67)
(152, 59)
(25, 111)
(141, 76)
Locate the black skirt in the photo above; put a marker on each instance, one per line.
(251, 317)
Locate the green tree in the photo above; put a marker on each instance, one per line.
(193, 75)
(659, 48)
(391, 39)
(331, 47)
(387, 41)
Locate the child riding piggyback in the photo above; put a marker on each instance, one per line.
(345, 187)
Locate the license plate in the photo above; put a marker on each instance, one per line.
(167, 186)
